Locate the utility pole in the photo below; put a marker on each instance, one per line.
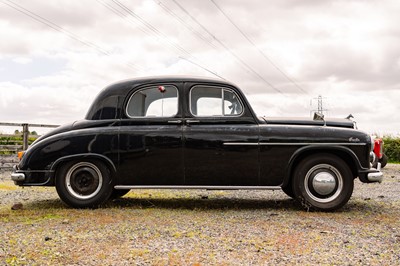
(320, 109)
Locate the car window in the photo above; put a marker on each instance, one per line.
(214, 101)
(155, 101)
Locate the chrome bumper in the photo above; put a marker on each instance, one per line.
(17, 176)
(376, 176)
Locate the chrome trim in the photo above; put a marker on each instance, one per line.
(191, 121)
(200, 187)
(326, 170)
(324, 183)
(174, 121)
(376, 176)
(294, 144)
(222, 92)
(240, 143)
(152, 87)
(17, 176)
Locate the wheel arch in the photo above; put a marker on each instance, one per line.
(348, 156)
(85, 156)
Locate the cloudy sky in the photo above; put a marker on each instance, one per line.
(55, 56)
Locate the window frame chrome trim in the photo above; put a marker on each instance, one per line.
(152, 117)
(222, 98)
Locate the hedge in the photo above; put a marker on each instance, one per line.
(392, 149)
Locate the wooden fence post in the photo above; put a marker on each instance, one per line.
(25, 136)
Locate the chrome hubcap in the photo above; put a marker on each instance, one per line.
(323, 183)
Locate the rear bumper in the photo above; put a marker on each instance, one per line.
(18, 177)
(32, 177)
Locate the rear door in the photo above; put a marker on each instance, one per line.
(151, 141)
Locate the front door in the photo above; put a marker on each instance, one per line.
(220, 139)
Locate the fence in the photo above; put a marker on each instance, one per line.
(12, 143)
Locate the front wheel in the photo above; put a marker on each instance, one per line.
(84, 184)
(323, 182)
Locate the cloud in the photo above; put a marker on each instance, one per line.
(346, 51)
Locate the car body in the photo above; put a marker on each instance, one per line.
(188, 132)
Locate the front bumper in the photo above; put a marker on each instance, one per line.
(375, 176)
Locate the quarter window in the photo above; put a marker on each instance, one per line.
(156, 101)
(214, 101)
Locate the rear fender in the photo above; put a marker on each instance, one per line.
(85, 156)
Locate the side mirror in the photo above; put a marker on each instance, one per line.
(318, 116)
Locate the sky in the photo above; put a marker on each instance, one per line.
(56, 56)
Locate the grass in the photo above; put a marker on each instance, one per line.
(190, 227)
(8, 186)
(189, 231)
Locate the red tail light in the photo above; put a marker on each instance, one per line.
(378, 149)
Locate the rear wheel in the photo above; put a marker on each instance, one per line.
(323, 182)
(83, 184)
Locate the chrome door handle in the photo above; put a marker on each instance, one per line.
(192, 121)
(175, 121)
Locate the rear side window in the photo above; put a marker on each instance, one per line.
(214, 101)
(155, 101)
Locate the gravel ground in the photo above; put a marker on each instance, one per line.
(195, 227)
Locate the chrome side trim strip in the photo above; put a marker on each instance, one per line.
(241, 144)
(291, 144)
(200, 187)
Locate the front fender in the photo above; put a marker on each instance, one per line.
(343, 152)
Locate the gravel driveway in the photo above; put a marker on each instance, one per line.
(196, 227)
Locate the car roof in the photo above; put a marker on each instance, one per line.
(168, 78)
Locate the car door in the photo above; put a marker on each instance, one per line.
(220, 138)
(151, 137)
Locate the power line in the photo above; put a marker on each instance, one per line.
(152, 30)
(186, 25)
(241, 61)
(194, 63)
(256, 47)
(60, 29)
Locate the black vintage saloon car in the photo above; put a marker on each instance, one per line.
(184, 132)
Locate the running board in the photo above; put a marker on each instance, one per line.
(201, 187)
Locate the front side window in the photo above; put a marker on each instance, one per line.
(214, 101)
(155, 101)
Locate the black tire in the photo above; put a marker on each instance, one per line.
(84, 184)
(288, 189)
(383, 160)
(118, 193)
(323, 182)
